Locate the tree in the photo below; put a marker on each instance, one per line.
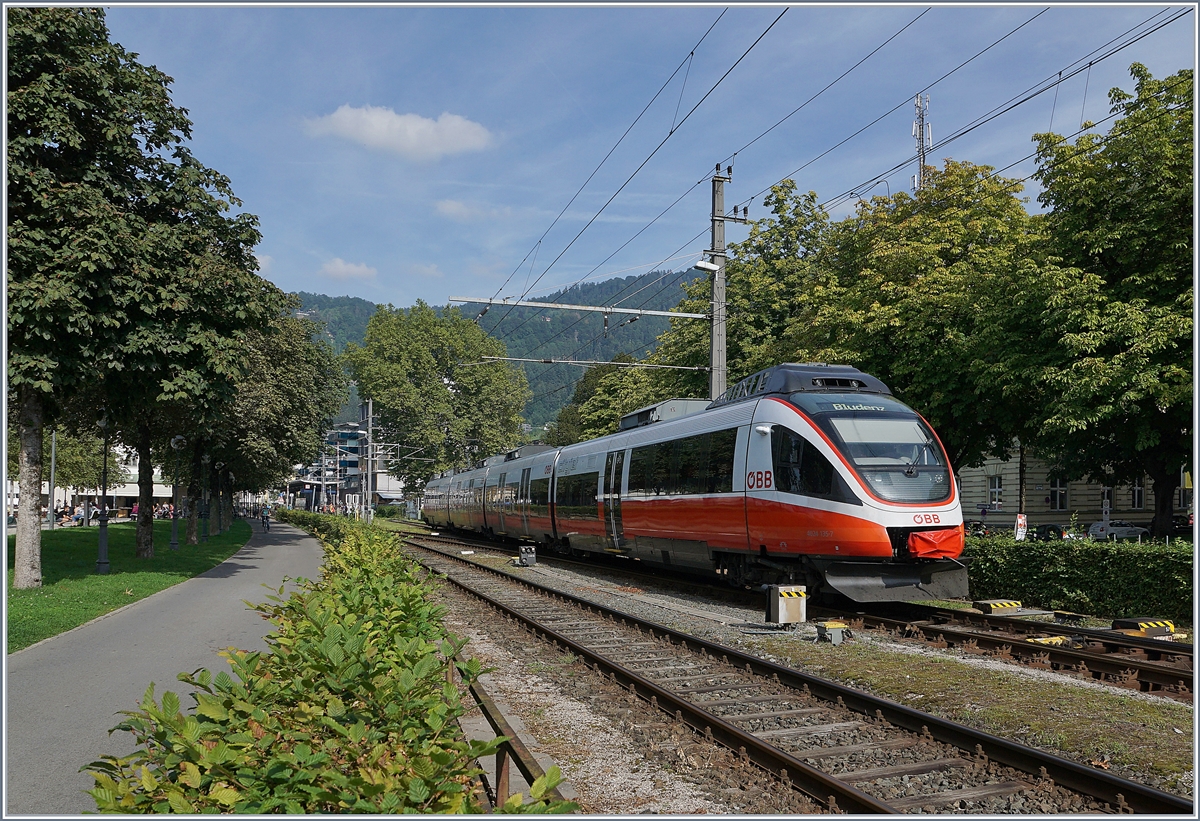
(1120, 209)
(435, 394)
(85, 122)
(78, 459)
(942, 296)
(292, 386)
(567, 428)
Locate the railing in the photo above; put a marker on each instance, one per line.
(512, 750)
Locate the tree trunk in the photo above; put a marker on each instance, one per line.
(193, 490)
(1166, 482)
(145, 521)
(27, 569)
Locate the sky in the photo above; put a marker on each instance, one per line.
(398, 153)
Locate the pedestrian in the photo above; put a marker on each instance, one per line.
(266, 519)
(135, 510)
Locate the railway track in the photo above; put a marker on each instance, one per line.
(1164, 668)
(1148, 665)
(847, 750)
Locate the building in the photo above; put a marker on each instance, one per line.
(991, 493)
(339, 475)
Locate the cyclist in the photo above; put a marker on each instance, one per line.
(266, 519)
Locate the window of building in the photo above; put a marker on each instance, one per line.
(996, 492)
(1058, 495)
(1137, 494)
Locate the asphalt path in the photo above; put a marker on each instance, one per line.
(63, 694)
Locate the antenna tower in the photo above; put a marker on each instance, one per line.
(923, 133)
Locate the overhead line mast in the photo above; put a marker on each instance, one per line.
(717, 374)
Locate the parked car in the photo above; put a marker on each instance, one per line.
(1046, 533)
(1118, 529)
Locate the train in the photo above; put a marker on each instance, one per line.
(802, 473)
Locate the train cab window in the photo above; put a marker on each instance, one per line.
(802, 469)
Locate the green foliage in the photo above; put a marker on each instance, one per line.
(293, 384)
(568, 426)
(344, 318)
(1116, 579)
(1121, 210)
(388, 511)
(78, 459)
(433, 390)
(350, 711)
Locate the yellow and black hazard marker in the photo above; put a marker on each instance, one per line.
(1145, 625)
(793, 594)
(997, 607)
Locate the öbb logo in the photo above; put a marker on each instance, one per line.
(758, 479)
(927, 519)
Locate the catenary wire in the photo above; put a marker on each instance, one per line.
(651, 156)
(687, 61)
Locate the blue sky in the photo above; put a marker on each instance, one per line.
(404, 153)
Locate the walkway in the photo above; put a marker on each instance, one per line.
(63, 695)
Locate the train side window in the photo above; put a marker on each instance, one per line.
(641, 471)
(721, 447)
(802, 469)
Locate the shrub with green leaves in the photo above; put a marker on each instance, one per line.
(352, 710)
(1113, 579)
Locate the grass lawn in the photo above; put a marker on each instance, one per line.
(71, 592)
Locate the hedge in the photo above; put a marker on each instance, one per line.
(352, 710)
(1111, 579)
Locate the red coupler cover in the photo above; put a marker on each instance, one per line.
(936, 544)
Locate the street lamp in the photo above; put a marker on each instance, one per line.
(204, 460)
(178, 443)
(102, 542)
(217, 492)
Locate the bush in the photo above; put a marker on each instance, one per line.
(1115, 579)
(389, 511)
(352, 710)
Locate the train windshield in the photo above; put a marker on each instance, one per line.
(890, 447)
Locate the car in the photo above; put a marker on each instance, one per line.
(1117, 529)
(1046, 533)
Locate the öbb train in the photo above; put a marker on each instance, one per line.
(798, 474)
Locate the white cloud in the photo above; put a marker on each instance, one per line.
(425, 271)
(264, 262)
(410, 135)
(340, 269)
(464, 212)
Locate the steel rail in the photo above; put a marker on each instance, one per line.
(1121, 793)
(1119, 669)
(1016, 624)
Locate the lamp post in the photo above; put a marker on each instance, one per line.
(178, 443)
(217, 493)
(102, 541)
(204, 460)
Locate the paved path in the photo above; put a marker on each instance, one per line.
(63, 694)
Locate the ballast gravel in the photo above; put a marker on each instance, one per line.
(600, 762)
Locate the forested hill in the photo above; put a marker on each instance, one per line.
(345, 317)
(542, 333)
(559, 334)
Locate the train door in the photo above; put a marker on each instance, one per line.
(503, 510)
(613, 468)
(523, 501)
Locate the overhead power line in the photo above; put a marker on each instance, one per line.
(651, 156)
(685, 61)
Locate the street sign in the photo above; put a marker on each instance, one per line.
(1021, 527)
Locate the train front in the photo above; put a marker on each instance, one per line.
(863, 493)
